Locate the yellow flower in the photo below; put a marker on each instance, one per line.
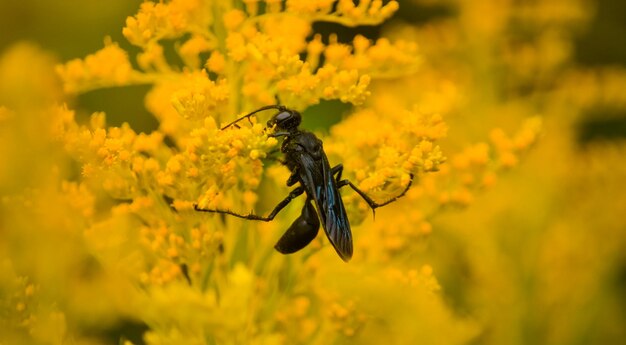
(107, 67)
(98, 229)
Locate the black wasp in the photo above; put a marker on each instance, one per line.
(305, 158)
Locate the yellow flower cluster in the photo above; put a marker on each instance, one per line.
(414, 278)
(378, 151)
(254, 45)
(98, 227)
(600, 87)
(345, 12)
(293, 81)
(22, 299)
(197, 97)
(112, 155)
(477, 166)
(108, 67)
(234, 158)
(157, 21)
(245, 59)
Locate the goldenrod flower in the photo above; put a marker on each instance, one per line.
(99, 239)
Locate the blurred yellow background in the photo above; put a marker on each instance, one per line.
(536, 256)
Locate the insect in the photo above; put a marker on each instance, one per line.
(305, 157)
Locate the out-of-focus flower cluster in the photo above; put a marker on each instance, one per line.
(99, 241)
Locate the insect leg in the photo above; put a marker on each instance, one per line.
(293, 194)
(293, 178)
(373, 204)
(337, 169)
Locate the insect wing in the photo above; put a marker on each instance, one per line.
(320, 184)
(336, 223)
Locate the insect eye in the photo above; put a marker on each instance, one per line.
(285, 120)
(283, 116)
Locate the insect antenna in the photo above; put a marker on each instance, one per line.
(267, 107)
